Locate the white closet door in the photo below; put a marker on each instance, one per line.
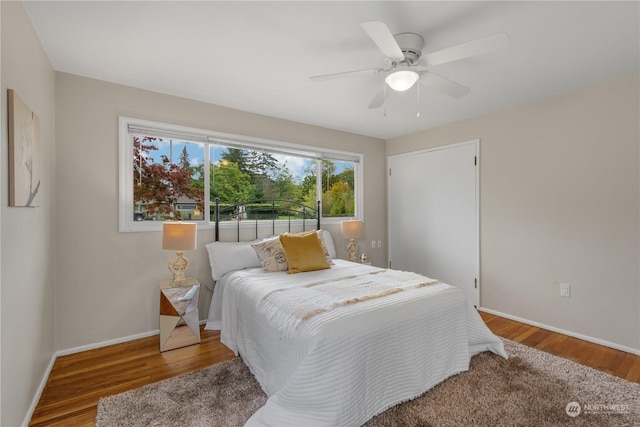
(433, 215)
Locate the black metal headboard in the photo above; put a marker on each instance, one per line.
(265, 210)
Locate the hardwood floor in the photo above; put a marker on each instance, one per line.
(606, 359)
(79, 380)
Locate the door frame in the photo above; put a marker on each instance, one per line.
(474, 142)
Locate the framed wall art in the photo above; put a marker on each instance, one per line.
(24, 153)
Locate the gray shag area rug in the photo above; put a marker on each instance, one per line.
(532, 388)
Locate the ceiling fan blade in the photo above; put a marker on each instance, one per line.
(465, 50)
(383, 38)
(345, 74)
(451, 88)
(378, 100)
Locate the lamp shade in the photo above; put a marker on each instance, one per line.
(179, 236)
(351, 229)
(402, 80)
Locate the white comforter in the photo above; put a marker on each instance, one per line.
(346, 365)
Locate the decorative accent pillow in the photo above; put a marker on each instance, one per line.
(229, 256)
(304, 252)
(271, 255)
(327, 245)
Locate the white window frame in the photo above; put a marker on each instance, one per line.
(126, 178)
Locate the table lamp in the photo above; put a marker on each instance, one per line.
(352, 229)
(179, 236)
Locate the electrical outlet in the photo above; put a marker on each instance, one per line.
(565, 290)
(379, 243)
(373, 244)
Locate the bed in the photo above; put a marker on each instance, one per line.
(348, 361)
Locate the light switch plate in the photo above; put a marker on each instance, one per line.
(565, 290)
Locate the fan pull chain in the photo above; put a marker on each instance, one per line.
(418, 106)
(384, 101)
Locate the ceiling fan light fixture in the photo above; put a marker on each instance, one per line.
(402, 80)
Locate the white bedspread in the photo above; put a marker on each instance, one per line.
(346, 365)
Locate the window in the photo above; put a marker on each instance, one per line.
(171, 171)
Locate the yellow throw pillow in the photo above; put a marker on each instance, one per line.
(304, 252)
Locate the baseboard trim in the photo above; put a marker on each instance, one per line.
(107, 343)
(563, 331)
(36, 399)
(73, 350)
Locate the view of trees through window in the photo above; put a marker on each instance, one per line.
(169, 179)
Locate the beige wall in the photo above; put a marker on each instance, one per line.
(107, 282)
(28, 270)
(559, 202)
(560, 190)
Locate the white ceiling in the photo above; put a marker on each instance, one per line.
(258, 56)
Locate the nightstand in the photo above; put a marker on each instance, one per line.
(179, 321)
(359, 261)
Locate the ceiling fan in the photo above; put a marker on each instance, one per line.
(406, 64)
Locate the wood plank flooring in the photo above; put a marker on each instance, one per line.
(78, 381)
(606, 359)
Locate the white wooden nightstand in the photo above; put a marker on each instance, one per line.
(179, 321)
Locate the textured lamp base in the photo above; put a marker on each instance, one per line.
(178, 267)
(352, 248)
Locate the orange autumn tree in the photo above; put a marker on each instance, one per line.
(158, 186)
(338, 200)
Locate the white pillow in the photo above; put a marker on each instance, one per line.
(230, 256)
(328, 243)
